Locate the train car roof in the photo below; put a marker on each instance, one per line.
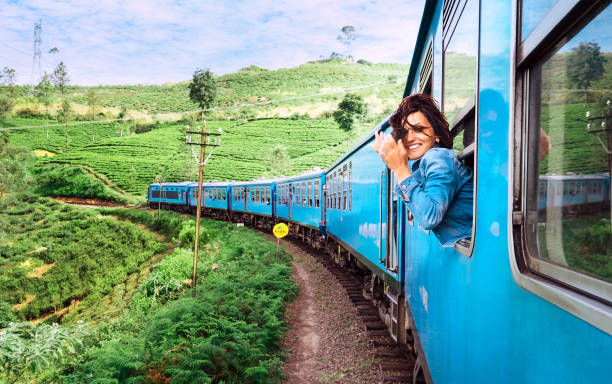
(215, 184)
(420, 44)
(252, 182)
(315, 173)
(172, 184)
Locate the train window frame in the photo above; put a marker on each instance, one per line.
(586, 297)
(317, 194)
(350, 186)
(310, 194)
(468, 113)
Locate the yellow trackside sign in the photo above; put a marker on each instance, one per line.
(280, 230)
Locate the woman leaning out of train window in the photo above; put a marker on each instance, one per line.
(437, 188)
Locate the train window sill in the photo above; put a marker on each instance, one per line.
(463, 247)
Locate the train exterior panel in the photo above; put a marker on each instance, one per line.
(578, 191)
(214, 195)
(171, 193)
(358, 212)
(259, 197)
(482, 315)
(238, 200)
(299, 199)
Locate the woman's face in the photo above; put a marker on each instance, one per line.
(420, 136)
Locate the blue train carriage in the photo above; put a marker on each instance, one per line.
(529, 298)
(169, 195)
(215, 198)
(299, 202)
(363, 222)
(255, 206)
(572, 195)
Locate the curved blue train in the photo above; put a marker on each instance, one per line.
(528, 298)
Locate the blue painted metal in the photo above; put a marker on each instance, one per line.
(214, 195)
(259, 197)
(296, 199)
(171, 193)
(474, 321)
(363, 224)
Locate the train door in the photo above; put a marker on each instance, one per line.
(290, 201)
(392, 260)
(383, 210)
(245, 194)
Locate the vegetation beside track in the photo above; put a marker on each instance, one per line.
(54, 255)
(228, 332)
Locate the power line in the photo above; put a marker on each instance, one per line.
(169, 114)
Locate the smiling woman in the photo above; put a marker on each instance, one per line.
(436, 187)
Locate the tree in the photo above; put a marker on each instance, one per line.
(346, 38)
(44, 93)
(8, 92)
(61, 80)
(92, 102)
(277, 160)
(350, 110)
(585, 65)
(203, 89)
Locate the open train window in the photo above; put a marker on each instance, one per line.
(460, 46)
(316, 194)
(564, 141)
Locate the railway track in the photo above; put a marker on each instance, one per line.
(397, 363)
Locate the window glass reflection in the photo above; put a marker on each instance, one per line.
(533, 11)
(570, 127)
(460, 66)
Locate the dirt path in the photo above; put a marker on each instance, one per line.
(326, 341)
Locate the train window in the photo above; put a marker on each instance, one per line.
(567, 97)
(304, 192)
(310, 195)
(317, 193)
(224, 194)
(333, 186)
(339, 189)
(460, 73)
(268, 195)
(350, 185)
(532, 12)
(345, 189)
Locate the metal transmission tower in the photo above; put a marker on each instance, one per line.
(36, 56)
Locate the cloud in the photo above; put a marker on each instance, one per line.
(155, 41)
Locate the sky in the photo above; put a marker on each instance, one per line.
(106, 42)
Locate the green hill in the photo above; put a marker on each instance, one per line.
(130, 154)
(251, 85)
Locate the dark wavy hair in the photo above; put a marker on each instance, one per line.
(425, 104)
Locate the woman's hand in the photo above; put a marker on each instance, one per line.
(393, 153)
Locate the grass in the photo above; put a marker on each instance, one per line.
(82, 255)
(132, 162)
(229, 332)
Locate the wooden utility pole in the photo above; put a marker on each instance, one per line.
(201, 162)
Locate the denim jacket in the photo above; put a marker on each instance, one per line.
(439, 195)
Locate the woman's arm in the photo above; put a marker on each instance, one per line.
(430, 191)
